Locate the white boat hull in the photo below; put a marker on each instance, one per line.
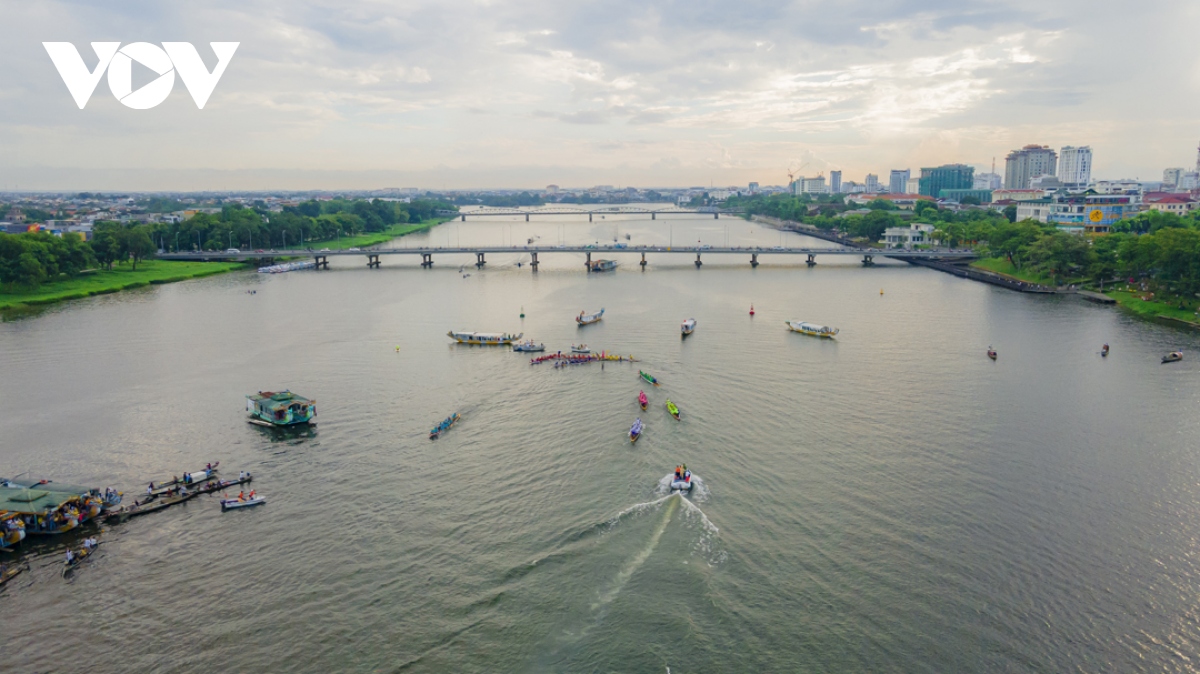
(232, 503)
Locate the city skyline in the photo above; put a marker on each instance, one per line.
(497, 96)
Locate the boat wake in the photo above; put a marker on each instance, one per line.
(639, 559)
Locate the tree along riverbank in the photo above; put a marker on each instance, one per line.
(153, 272)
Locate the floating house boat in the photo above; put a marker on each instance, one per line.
(484, 338)
(44, 513)
(588, 319)
(812, 329)
(280, 408)
(602, 265)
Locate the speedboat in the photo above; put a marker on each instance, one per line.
(231, 503)
(635, 431)
(582, 348)
(642, 399)
(1173, 357)
(688, 327)
(682, 481)
(649, 379)
(673, 409)
(528, 346)
(812, 329)
(588, 319)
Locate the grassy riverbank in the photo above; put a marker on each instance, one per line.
(376, 238)
(1133, 302)
(104, 281)
(1001, 266)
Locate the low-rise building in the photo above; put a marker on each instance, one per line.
(915, 234)
(1091, 213)
(984, 196)
(901, 201)
(1179, 204)
(1017, 195)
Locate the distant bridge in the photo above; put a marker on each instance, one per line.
(373, 255)
(491, 211)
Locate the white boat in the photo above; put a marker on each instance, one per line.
(685, 484)
(582, 348)
(231, 503)
(528, 345)
(688, 327)
(587, 319)
(487, 338)
(812, 329)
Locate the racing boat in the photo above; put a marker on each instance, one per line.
(1173, 357)
(688, 327)
(444, 426)
(232, 503)
(673, 409)
(642, 399)
(484, 338)
(648, 378)
(635, 431)
(587, 319)
(681, 482)
(528, 345)
(812, 329)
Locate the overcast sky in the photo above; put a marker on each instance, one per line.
(344, 95)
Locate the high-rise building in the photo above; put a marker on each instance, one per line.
(1198, 159)
(872, 183)
(1171, 177)
(946, 177)
(812, 185)
(897, 181)
(753, 188)
(987, 181)
(835, 182)
(912, 186)
(1075, 166)
(1021, 166)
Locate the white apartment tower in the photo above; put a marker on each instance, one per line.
(1031, 161)
(1075, 166)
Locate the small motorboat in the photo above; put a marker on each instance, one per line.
(635, 431)
(642, 399)
(1173, 357)
(688, 327)
(1104, 351)
(812, 329)
(991, 353)
(444, 426)
(528, 345)
(673, 409)
(681, 482)
(587, 319)
(581, 348)
(250, 501)
(650, 379)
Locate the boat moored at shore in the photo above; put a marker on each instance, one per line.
(812, 329)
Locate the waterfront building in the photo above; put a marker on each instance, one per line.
(1084, 213)
(1021, 166)
(1075, 166)
(987, 181)
(835, 182)
(946, 177)
(915, 234)
(872, 183)
(898, 181)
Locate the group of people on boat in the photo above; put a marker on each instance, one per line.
(89, 544)
(242, 497)
(444, 426)
(682, 474)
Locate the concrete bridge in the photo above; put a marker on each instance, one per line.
(373, 255)
(490, 211)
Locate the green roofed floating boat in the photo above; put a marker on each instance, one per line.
(648, 377)
(283, 408)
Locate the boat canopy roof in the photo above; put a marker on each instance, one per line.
(49, 485)
(278, 400)
(33, 501)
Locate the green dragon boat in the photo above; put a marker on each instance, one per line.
(648, 377)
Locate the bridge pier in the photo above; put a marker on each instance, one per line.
(526, 217)
(372, 261)
(427, 260)
(716, 216)
(652, 216)
(479, 261)
(322, 261)
(753, 259)
(589, 217)
(588, 262)
(534, 263)
(811, 261)
(698, 263)
(643, 262)
(464, 218)
(868, 261)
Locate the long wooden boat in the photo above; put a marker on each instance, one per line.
(446, 424)
(587, 319)
(812, 329)
(484, 338)
(218, 485)
(80, 557)
(12, 572)
(648, 377)
(635, 431)
(642, 399)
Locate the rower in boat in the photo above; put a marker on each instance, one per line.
(648, 377)
(673, 409)
(642, 399)
(635, 431)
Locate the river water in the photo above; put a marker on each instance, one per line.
(889, 501)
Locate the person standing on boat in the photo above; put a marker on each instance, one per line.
(70, 556)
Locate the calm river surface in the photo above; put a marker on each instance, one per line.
(889, 501)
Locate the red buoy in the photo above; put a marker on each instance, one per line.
(751, 309)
